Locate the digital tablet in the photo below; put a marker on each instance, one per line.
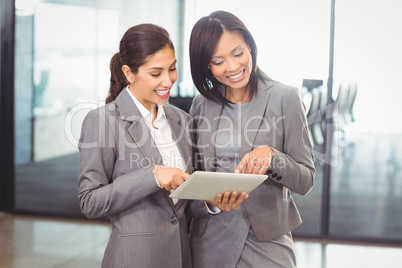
(205, 185)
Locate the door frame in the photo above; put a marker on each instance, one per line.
(7, 170)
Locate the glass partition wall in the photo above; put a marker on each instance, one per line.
(366, 184)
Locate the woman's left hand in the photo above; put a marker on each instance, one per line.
(228, 201)
(257, 161)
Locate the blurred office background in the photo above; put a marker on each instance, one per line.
(345, 56)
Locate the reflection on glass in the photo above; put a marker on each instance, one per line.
(70, 68)
(365, 185)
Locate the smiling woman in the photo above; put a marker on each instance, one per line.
(136, 122)
(268, 138)
(231, 64)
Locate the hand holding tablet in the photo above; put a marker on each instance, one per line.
(206, 185)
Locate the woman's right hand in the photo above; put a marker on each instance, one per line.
(169, 178)
(228, 201)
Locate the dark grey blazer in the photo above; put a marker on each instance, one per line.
(116, 180)
(276, 118)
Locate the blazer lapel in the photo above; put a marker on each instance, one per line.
(138, 129)
(255, 115)
(180, 133)
(212, 115)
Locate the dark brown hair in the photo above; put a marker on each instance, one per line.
(203, 40)
(136, 46)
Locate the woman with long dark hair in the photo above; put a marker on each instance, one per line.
(245, 122)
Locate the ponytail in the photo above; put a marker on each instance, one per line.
(117, 78)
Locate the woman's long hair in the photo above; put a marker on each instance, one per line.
(136, 46)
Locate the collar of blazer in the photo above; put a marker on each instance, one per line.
(257, 108)
(138, 129)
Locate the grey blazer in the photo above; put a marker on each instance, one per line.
(116, 180)
(276, 118)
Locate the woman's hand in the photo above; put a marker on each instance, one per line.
(169, 178)
(228, 201)
(257, 161)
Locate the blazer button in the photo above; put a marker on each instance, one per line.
(174, 220)
(279, 178)
(269, 172)
(274, 175)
